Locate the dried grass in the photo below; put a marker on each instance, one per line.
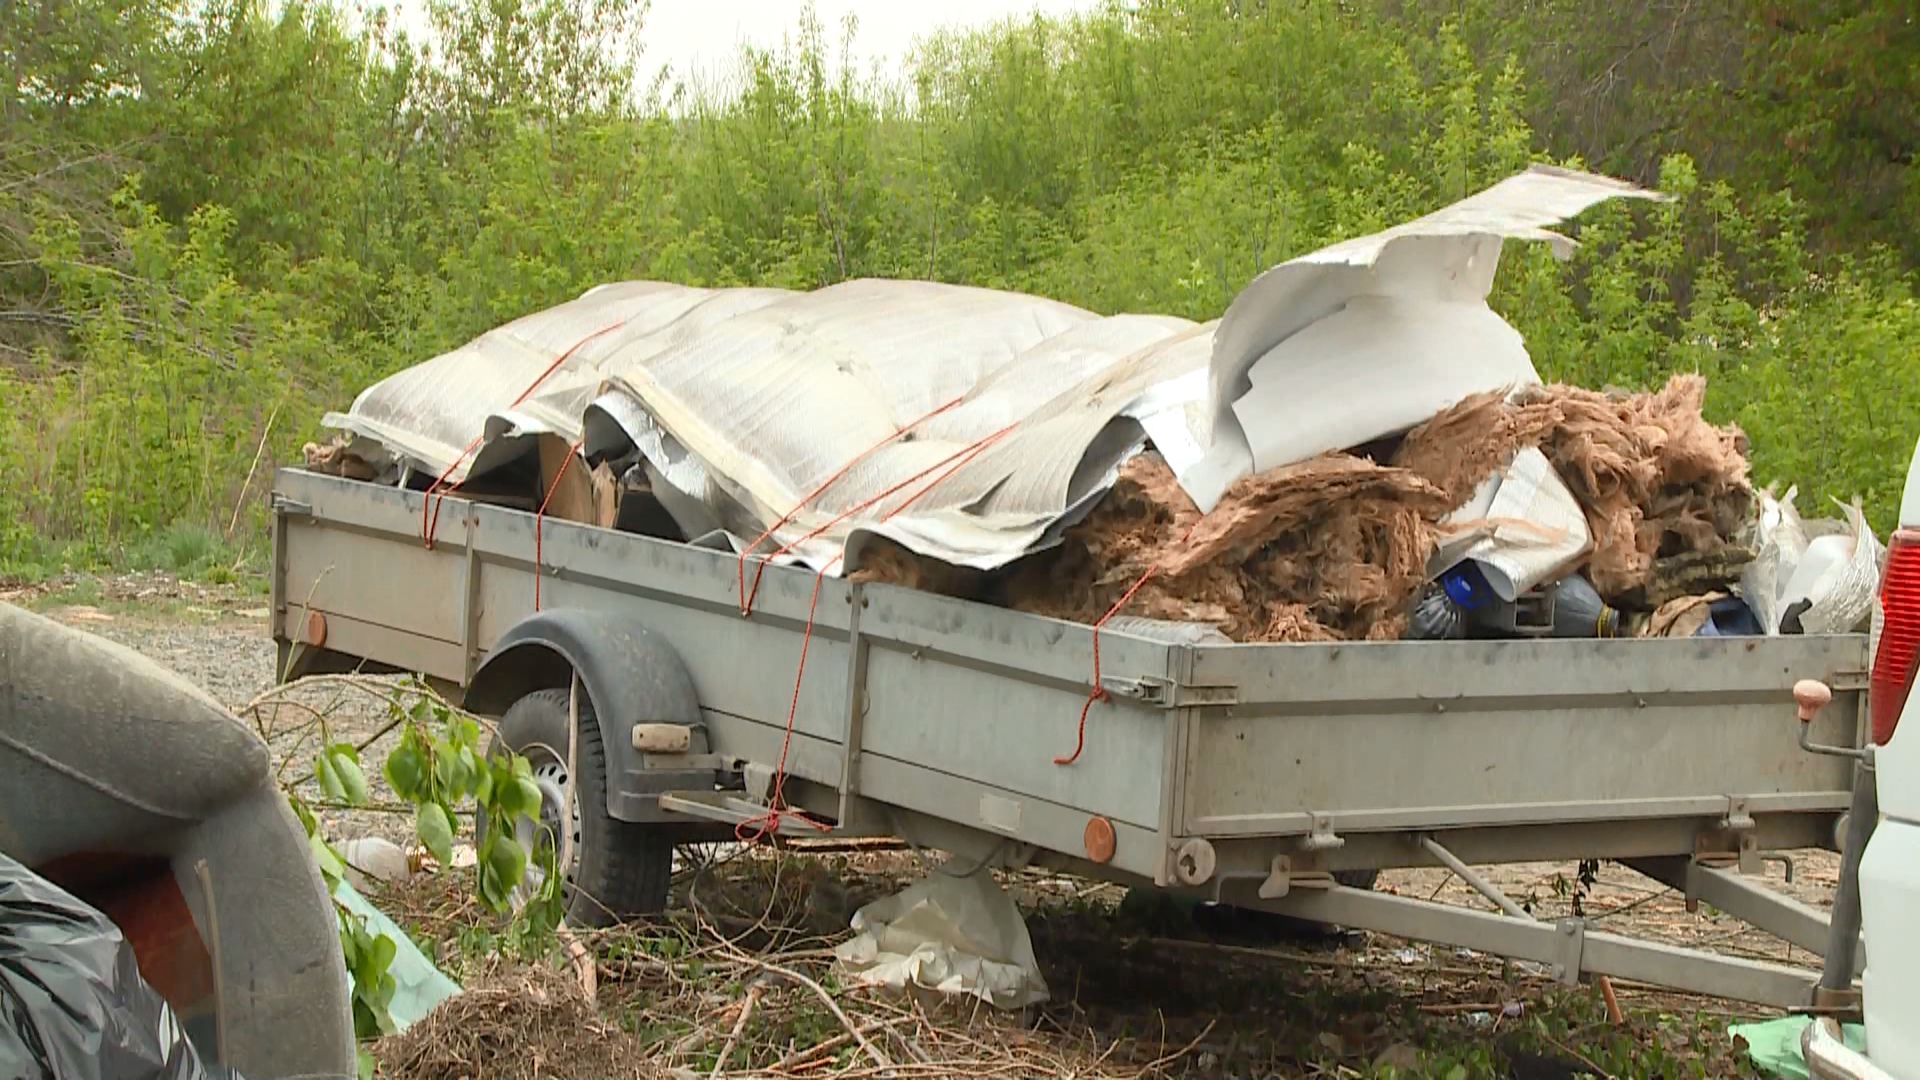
(710, 993)
(1133, 995)
(521, 1023)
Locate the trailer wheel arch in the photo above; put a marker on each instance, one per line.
(630, 674)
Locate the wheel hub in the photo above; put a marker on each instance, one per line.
(556, 806)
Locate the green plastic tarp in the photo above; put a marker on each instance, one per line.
(419, 986)
(1774, 1045)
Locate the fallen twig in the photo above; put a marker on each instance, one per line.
(686, 1043)
(806, 1055)
(739, 1025)
(1454, 1009)
(582, 963)
(826, 999)
(1251, 952)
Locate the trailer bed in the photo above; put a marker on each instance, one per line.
(1245, 772)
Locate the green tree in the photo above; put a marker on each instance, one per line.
(220, 218)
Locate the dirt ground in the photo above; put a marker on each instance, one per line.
(1194, 993)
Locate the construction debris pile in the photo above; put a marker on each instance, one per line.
(1338, 547)
(1359, 449)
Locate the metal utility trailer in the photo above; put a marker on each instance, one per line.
(1250, 774)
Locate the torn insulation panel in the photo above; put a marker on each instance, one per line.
(968, 425)
(1369, 336)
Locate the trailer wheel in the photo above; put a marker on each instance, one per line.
(1357, 879)
(618, 869)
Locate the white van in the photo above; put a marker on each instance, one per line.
(1890, 866)
(1890, 869)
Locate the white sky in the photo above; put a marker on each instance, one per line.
(702, 37)
(699, 40)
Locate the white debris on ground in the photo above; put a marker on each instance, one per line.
(950, 935)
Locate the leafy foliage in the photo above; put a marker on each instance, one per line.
(368, 955)
(219, 218)
(1818, 96)
(437, 767)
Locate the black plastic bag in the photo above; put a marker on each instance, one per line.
(72, 1003)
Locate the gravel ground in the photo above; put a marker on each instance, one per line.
(220, 640)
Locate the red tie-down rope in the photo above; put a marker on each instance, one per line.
(430, 522)
(767, 824)
(539, 519)
(1098, 692)
(747, 594)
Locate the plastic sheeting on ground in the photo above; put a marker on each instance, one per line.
(951, 935)
(763, 407)
(418, 985)
(73, 1005)
(1774, 1045)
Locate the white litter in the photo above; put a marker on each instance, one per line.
(1838, 576)
(951, 935)
(374, 858)
(1831, 579)
(1522, 526)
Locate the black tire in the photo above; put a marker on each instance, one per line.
(1356, 879)
(619, 869)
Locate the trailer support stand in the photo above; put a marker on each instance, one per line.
(1803, 925)
(1577, 953)
(1466, 873)
(1836, 981)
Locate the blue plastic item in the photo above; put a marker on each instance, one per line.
(1459, 597)
(1729, 616)
(1436, 618)
(1466, 586)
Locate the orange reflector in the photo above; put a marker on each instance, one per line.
(1099, 839)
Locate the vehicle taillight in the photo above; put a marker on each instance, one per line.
(1899, 649)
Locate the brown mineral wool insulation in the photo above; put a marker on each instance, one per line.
(1459, 448)
(891, 563)
(1326, 549)
(334, 459)
(1681, 617)
(1295, 622)
(1337, 547)
(1655, 479)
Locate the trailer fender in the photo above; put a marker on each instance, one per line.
(634, 679)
